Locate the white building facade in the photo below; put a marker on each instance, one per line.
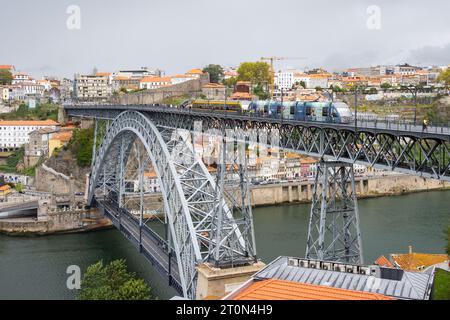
(14, 134)
(284, 80)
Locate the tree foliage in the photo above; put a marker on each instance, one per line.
(258, 73)
(445, 76)
(81, 146)
(5, 77)
(215, 72)
(230, 82)
(261, 93)
(42, 111)
(112, 282)
(385, 86)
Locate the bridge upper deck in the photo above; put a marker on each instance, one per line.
(401, 128)
(390, 145)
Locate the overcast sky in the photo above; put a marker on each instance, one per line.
(176, 35)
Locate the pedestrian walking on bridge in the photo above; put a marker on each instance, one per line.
(425, 124)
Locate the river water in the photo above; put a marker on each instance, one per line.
(35, 267)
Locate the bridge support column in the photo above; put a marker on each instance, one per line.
(216, 282)
(232, 187)
(121, 175)
(334, 233)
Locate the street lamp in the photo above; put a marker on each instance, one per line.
(356, 106)
(413, 90)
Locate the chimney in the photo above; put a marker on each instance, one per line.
(410, 249)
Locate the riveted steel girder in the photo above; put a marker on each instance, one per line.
(391, 146)
(189, 191)
(333, 232)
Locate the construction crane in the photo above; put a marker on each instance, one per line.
(270, 61)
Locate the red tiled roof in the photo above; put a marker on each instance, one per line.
(416, 261)
(157, 79)
(274, 289)
(382, 261)
(28, 123)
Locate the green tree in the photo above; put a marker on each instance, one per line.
(230, 82)
(215, 72)
(43, 111)
(112, 282)
(81, 146)
(19, 187)
(372, 91)
(444, 76)
(5, 77)
(385, 86)
(303, 84)
(261, 93)
(258, 73)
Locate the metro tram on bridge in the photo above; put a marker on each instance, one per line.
(332, 112)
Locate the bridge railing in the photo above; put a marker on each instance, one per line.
(377, 123)
(141, 237)
(361, 123)
(403, 125)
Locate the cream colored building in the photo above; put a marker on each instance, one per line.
(91, 87)
(5, 93)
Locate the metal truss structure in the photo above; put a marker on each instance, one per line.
(400, 147)
(191, 197)
(333, 232)
(210, 220)
(233, 187)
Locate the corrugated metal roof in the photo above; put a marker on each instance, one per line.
(412, 285)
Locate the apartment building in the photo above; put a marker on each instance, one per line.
(91, 87)
(284, 80)
(125, 82)
(14, 134)
(43, 142)
(4, 91)
(155, 82)
(22, 77)
(405, 69)
(31, 88)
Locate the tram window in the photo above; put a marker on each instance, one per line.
(325, 112)
(308, 111)
(292, 110)
(266, 108)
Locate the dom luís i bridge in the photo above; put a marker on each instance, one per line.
(206, 214)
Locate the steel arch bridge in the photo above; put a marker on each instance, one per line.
(192, 204)
(200, 217)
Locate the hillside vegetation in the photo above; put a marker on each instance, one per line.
(42, 111)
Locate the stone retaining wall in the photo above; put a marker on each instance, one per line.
(365, 187)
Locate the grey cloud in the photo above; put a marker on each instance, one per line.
(431, 55)
(176, 35)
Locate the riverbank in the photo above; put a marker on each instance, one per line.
(35, 267)
(76, 221)
(366, 187)
(261, 196)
